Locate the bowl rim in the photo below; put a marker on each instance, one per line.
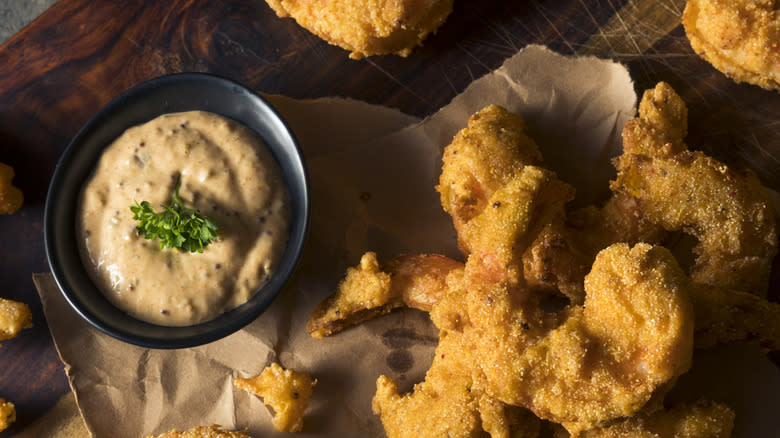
(276, 134)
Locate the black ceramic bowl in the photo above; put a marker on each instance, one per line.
(167, 94)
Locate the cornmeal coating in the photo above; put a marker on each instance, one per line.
(11, 198)
(727, 211)
(703, 419)
(203, 432)
(7, 414)
(481, 159)
(741, 38)
(368, 27)
(451, 400)
(286, 391)
(368, 290)
(608, 359)
(14, 316)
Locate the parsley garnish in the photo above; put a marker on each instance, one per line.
(177, 227)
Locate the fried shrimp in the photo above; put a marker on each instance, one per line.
(286, 391)
(633, 336)
(451, 400)
(633, 316)
(703, 419)
(741, 38)
(481, 159)
(368, 291)
(728, 212)
(368, 27)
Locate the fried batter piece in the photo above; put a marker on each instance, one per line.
(368, 27)
(7, 414)
(367, 291)
(203, 432)
(703, 419)
(741, 38)
(11, 198)
(14, 316)
(728, 212)
(286, 391)
(606, 361)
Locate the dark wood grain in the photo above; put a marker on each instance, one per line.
(60, 70)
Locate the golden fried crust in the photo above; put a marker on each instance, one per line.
(11, 198)
(368, 27)
(14, 316)
(368, 290)
(661, 126)
(605, 361)
(203, 432)
(362, 294)
(728, 212)
(7, 414)
(741, 38)
(286, 391)
(481, 159)
(513, 215)
(552, 264)
(444, 404)
(704, 419)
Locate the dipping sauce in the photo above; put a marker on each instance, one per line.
(228, 174)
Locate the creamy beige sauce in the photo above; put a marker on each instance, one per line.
(228, 174)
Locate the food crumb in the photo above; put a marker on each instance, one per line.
(14, 316)
(287, 392)
(7, 414)
(11, 198)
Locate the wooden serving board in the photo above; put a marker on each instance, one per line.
(57, 72)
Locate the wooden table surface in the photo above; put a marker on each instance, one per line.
(57, 72)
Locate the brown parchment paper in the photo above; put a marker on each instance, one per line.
(372, 173)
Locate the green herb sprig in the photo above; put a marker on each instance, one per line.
(177, 227)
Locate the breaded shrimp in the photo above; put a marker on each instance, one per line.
(450, 401)
(368, 27)
(741, 38)
(608, 359)
(368, 291)
(727, 211)
(482, 157)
